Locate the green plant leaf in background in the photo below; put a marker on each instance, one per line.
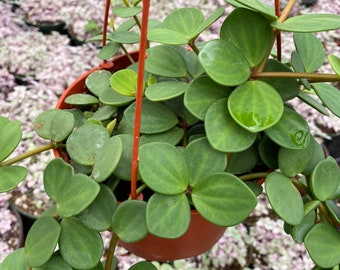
(329, 95)
(323, 245)
(80, 144)
(143, 266)
(79, 246)
(82, 100)
(129, 221)
(223, 133)
(54, 124)
(161, 212)
(16, 260)
(297, 64)
(123, 37)
(11, 176)
(41, 241)
(109, 50)
(97, 81)
(202, 165)
(167, 36)
(238, 31)
(56, 262)
(299, 231)
(284, 198)
(10, 136)
(124, 82)
(126, 12)
(335, 63)
(218, 58)
(165, 60)
(308, 23)
(267, 10)
(313, 103)
(255, 105)
(244, 161)
(291, 131)
(223, 199)
(325, 179)
(163, 168)
(165, 90)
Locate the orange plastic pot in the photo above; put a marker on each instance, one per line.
(201, 234)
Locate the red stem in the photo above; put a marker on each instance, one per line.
(139, 96)
(278, 37)
(106, 18)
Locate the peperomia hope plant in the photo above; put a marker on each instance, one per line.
(215, 126)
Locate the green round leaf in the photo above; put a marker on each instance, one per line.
(111, 97)
(291, 131)
(161, 212)
(299, 231)
(156, 117)
(54, 124)
(268, 151)
(323, 245)
(79, 246)
(165, 90)
(81, 100)
(218, 58)
(284, 198)
(209, 21)
(16, 260)
(41, 241)
(13, 175)
(202, 165)
(294, 161)
(124, 82)
(126, 12)
(325, 179)
(107, 159)
(83, 144)
(195, 68)
(201, 93)
(238, 31)
(172, 136)
(318, 155)
(335, 63)
(167, 36)
(129, 221)
(109, 50)
(255, 105)
(309, 23)
(10, 136)
(55, 263)
(104, 113)
(267, 10)
(97, 81)
(306, 98)
(123, 37)
(143, 266)
(244, 161)
(123, 169)
(163, 168)
(98, 215)
(223, 199)
(166, 61)
(329, 95)
(223, 133)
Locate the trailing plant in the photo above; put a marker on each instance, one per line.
(201, 126)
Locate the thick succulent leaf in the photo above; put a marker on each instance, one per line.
(299, 231)
(79, 246)
(110, 97)
(323, 245)
(126, 12)
(325, 179)
(335, 63)
(291, 131)
(309, 23)
(255, 105)
(310, 49)
(72, 193)
(284, 198)
(11, 176)
(329, 95)
(223, 199)
(313, 103)
(143, 265)
(109, 50)
(219, 58)
(184, 21)
(201, 93)
(41, 241)
(123, 37)
(165, 90)
(318, 155)
(223, 133)
(294, 161)
(124, 82)
(99, 214)
(172, 136)
(268, 151)
(201, 165)
(82, 100)
(298, 66)
(10, 136)
(163, 168)
(166, 61)
(195, 68)
(56, 262)
(54, 124)
(238, 31)
(209, 21)
(129, 221)
(97, 81)
(107, 159)
(123, 169)
(156, 117)
(288, 88)
(104, 113)
(15, 260)
(84, 143)
(244, 161)
(161, 212)
(167, 36)
(257, 5)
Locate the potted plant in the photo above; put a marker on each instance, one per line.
(198, 128)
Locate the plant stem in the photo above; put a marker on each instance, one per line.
(251, 176)
(112, 247)
(287, 10)
(313, 77)
(194, 47)
(28, 154)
